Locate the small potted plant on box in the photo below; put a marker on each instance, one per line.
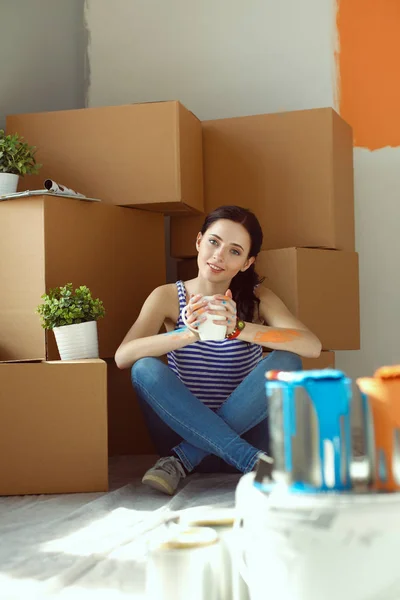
(73, 316)
(17, 159)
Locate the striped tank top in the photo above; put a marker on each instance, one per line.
(212, 370)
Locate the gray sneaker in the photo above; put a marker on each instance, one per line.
(165, 475)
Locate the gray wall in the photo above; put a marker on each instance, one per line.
(42, 49)
(221, 58)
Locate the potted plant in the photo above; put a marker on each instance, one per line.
(73, 316)
(17, 159)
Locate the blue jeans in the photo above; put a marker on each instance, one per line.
(178, 420)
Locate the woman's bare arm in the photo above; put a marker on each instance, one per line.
(143, 338)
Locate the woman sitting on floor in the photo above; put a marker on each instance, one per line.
(210, 399)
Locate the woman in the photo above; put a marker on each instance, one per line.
(210, 399)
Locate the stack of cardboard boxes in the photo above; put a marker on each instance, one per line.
(59, 421)
(295, 171)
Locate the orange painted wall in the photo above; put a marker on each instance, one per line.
(368, 63)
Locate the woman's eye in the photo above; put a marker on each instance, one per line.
(213, 242)
(236, 252)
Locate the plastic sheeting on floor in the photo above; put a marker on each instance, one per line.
(93, 546)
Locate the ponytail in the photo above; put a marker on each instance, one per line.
(242, 288)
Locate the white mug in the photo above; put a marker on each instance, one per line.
(208, 330)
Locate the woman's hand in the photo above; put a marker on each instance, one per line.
(196, 309)
(228, 311)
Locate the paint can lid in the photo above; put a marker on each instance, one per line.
(190, 537)
(213, 522)
(391, 372)
(300, 376)
(208, 514)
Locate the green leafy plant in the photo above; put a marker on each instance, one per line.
(16, 156)
(64, 306)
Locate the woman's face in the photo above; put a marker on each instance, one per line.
(223, 251)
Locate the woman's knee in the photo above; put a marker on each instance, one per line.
(143, 368)
(286, 361)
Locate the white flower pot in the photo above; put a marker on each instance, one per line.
(8, 183)
(77, 341)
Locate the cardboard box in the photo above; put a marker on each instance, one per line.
(293, 169)
(142, 155)
(326, 360)
(53, 427)
(45, 242)
(321, 288)
(127, 431)
(187, 269)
